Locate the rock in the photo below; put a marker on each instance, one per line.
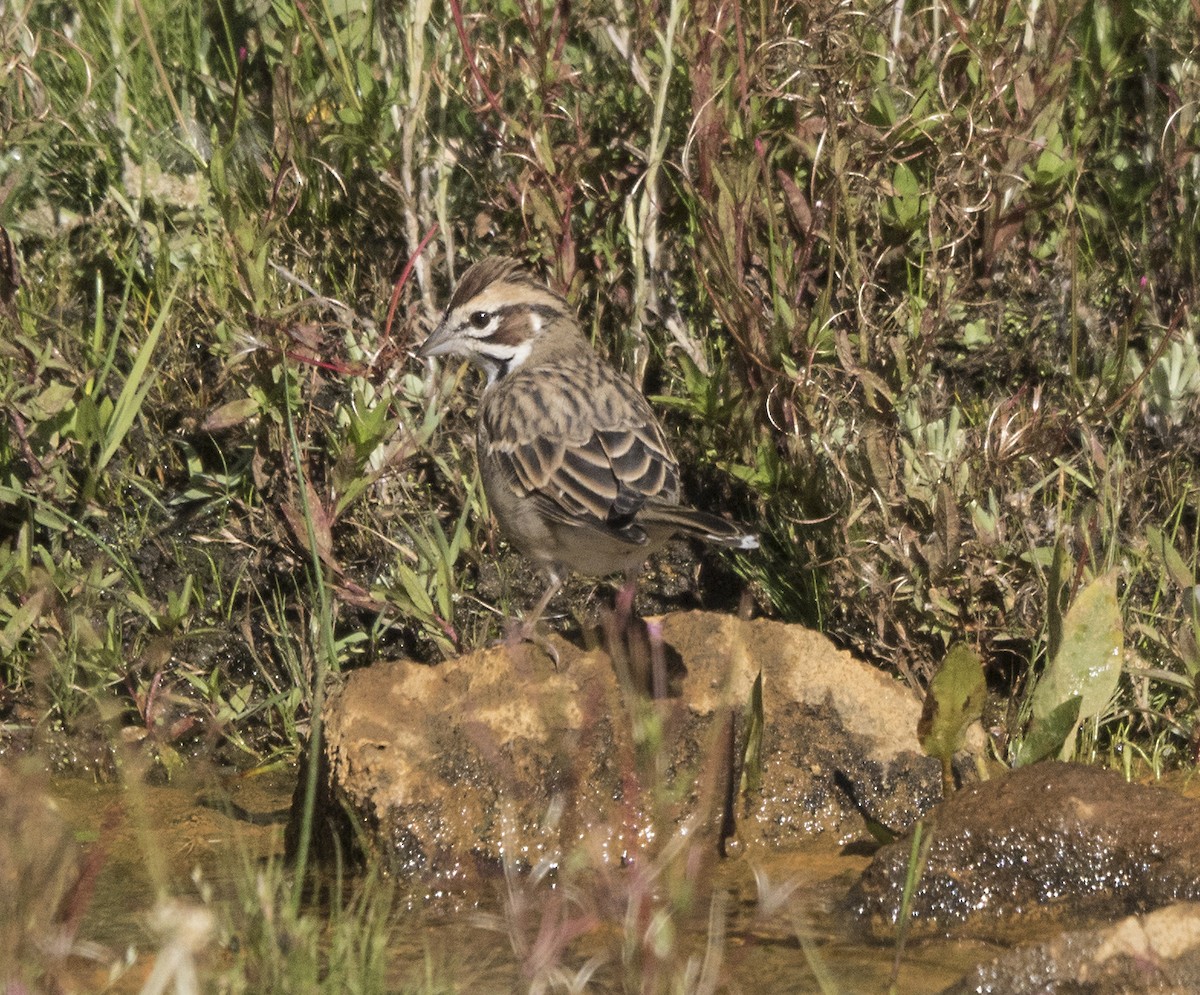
(1047, 845)
(1159, 952)
(498, 754)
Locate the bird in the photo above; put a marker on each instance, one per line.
(574, 463)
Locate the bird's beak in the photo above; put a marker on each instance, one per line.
(438, 344)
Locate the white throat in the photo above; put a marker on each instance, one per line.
(518, 356)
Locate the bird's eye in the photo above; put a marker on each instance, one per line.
(480, 319)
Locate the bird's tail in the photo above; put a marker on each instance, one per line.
(699, 524)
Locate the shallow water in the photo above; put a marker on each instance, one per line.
(191, 840)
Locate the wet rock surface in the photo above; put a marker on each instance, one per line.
(1159, 952)
(499, 754)
(1045, 846)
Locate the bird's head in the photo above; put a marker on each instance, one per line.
(501, 318)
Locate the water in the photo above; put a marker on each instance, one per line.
(188, 841)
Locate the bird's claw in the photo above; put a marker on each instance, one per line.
(526, 632)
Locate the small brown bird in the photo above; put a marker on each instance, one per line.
(574, 463)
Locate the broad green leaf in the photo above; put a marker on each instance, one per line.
(1047, 734)
(170, 758)
(216, 172)
(1082, 676)
(1088, 663)
(230, 414)
(906, 202)
(1054, 163)
(84, 423)
(51, 401)
(883, 108)
(955, 699)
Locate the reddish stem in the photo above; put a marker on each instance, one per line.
(403, 279)
(469, 53)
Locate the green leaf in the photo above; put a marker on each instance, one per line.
(136, 387)
(1082, 676)
(1179, 572)
(171, 760)
(216, 172)
(84, 423)
(975, 334)
(1088, 664)
(366, 79)
(1061, 567)
(1053, 164)
(883, 108)
(23, 619)
(906, 201)
(414, 588)
(752, 750)
(1046, 735)
(230, 414)
(51, 401)
(955, 699)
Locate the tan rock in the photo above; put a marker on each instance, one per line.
(497, 754)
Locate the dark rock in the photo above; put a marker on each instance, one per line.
(500, 755)
(1159, 952)
(1047, 845)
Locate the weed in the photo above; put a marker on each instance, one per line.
(914, 290)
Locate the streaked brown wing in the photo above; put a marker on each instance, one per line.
(597, 464)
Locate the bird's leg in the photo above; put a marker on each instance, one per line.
(525, 631)
(556, 583)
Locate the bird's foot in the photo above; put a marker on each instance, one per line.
(525, 631)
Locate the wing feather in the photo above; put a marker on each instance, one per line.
(594, 463)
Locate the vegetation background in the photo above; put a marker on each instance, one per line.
(913, 286)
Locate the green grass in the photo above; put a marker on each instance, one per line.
(915, 297)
